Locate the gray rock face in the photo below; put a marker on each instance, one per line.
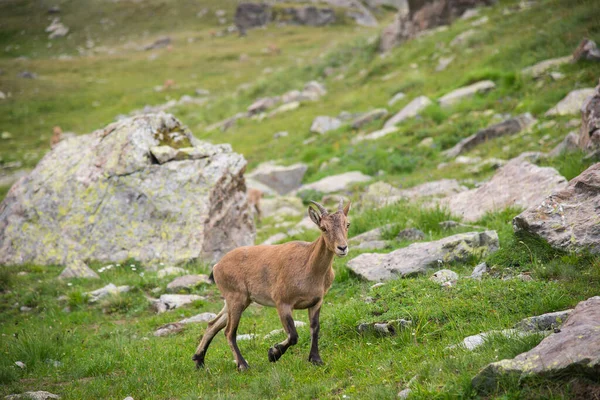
(569, 219)
(589, 136)
(574, 351)
(411, 234)
(468, 91)
(336, 183)
(78, 269)
(544, 322)
(420, 257)
(103, 197)
(572, 103)
(510, 126)
(168, 302)
(500, 192)
(370, 116)
(569, 143)
(39, 395)
(252, 15)
(187, 282)
(324, 124)
(411, 110)
(283, 179)
(479, 270)
(542, 67)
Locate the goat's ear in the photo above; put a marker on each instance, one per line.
(347, 208)
(314, 216)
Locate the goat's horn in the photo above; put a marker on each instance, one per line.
(341, 205)
(320, 207)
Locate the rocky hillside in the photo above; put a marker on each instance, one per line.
(141, 140)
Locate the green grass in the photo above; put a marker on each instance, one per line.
(107, 349)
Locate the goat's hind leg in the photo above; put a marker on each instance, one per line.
(214, 326)
(285, 315)
(236, 308)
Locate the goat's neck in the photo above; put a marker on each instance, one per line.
(321, 258)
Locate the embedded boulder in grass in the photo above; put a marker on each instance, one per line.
(324, 124)
(336, 183)
(572, 103)
(283, 179)
(187, 282)
(510, 126)
(569, 219)
(418, 258)
(572, 352)
(411, 110)
(589, 135)
(105, 196)
(500, 192)
(465, 92)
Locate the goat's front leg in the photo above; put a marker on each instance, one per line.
(313, 317)
(285, 315)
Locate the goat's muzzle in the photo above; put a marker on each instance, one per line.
(341, 251)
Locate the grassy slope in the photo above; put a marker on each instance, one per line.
(113, 354)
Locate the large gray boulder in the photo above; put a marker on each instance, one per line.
(420, 257)
(510, 126)
(283, 179)
(500, 192)
(104, 196)
(542, 67)
(572, 103)
(252, 15)
(572, 352)
(569, 219)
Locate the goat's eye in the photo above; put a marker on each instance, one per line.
(348, 225)
(323, 229)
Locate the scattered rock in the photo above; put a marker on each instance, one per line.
(263, 104)
(542, 67)
(297, 324)
(323, 124)
(380, 194)
(587, 50)
(167, 271)
(544, 322)
(510, 126)
(27, 75)
(572, 103)
(78, 269)
(404, 393)
(589, 137)
(284, 108)
(283, 179)
(39, 395)
(557, 76)
(412, 234)
(375, 135)
(57, 29)
(78, 200)
(573, 352)
(168, 329)
(246, 336)
(282, 205)
(481, 21)
(475, 341)
(187, 282)
(20, 364)
(371, 116)
(411, 110)
(569, 143)
(465, 92)
(443, 63)
(168, 302)
(158, 43)
(336, 183)
(396, 98)
(462, 38)
(444, 276)
(420, 257)
(500, 192)
(252, 15)
(443, 187)
(568, 218)
(202, 317)
(479, 270)
(384, 328)
(107, 290)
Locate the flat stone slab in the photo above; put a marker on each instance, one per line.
(411, 110)
(574, 351)
(39, 395)
(282, 179)
(500, 192)
(540, 68)
(420, 257)
(336, 183)
(168, 302)
(468, 91)
(544, 322)
(187, 282)
(107, 290)
(568, 219)
(572, 103)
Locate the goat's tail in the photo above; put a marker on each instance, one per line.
(211, 277)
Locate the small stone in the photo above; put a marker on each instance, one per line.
(397, 97)
(25, 309)
(280, 134)
(479, 270)
(170, 271)
(247, 336)
(39, 395)
(379, 284)
(444, 276)
(403, 394)
(20, 364)
(187, 282)
(324, 124)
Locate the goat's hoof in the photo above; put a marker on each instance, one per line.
(243, 367)
(316, 361)
(199, 360)
(274, 354)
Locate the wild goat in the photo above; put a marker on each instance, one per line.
(289, 276)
